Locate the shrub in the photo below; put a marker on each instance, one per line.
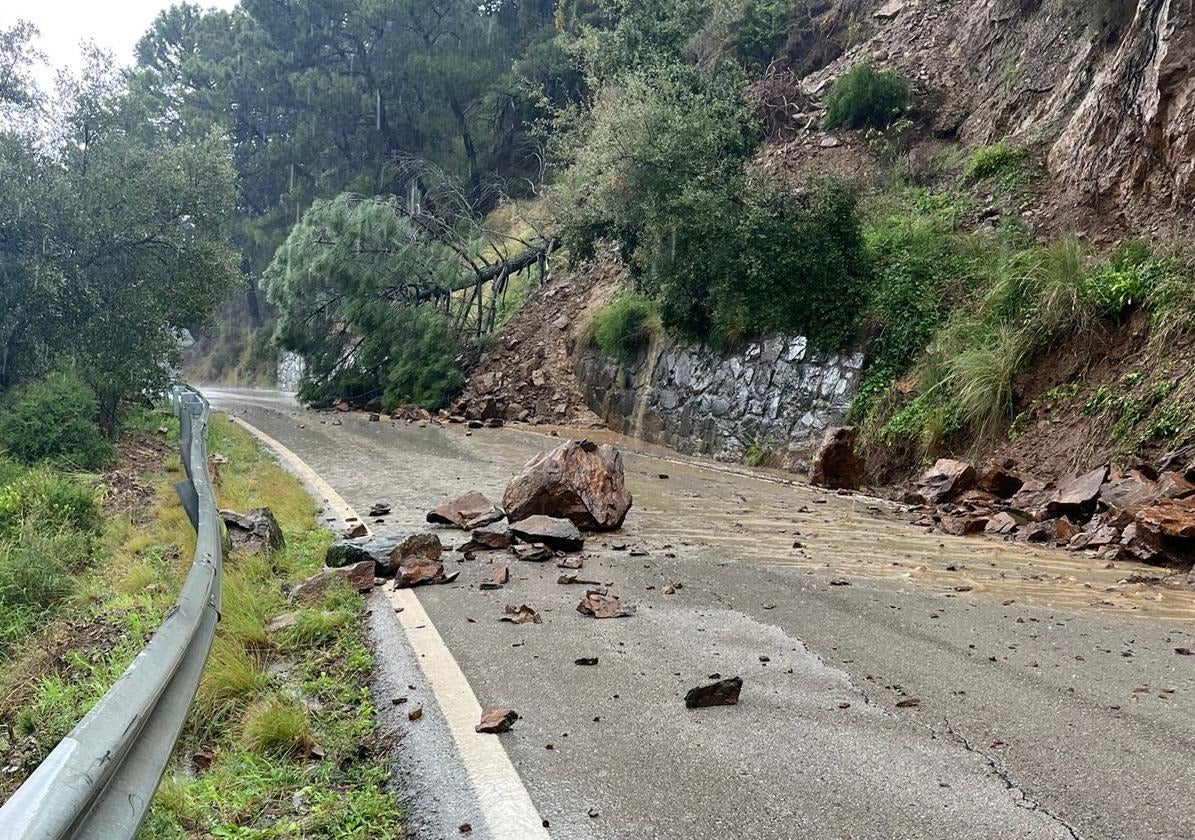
(866, 97)
(990, 161)
(278, 727)
(624, 325)
(54, 419)
(50, 500)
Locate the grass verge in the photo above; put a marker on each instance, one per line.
(282, 738)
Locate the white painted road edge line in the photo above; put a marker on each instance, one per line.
(504, 801)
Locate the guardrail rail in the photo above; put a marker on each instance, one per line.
(99, 780)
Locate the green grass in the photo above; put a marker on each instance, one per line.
(624, 325)
(264, 701)
(992, 161)
(865, 97)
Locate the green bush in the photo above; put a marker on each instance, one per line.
(53, 419)
(990, 161)
(625, 325)
(866, 97)
(50, 500)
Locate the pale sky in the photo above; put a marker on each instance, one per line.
(116, 25)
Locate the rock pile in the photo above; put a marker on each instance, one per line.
(1134, 514)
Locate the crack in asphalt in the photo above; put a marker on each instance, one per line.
(1022, 799)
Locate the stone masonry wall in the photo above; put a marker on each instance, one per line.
(774, 393)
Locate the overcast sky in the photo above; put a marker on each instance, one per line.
(116, 25)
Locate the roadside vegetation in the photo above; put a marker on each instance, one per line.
(281, 740)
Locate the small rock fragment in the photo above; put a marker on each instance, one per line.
(721, 693)
(494, 721)
(598, 604)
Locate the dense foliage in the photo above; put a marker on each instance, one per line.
(866, 98)
(53, 419)
(624, 325)
(112, 237)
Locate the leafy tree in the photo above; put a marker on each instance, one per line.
(111, 240)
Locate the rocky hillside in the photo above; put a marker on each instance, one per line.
(1104, 88)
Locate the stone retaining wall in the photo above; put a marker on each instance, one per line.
(774, 393)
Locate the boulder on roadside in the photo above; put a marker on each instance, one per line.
(359, 576)
(345, 553)
(1129, 491)
(941, 482)
(253, 531)
(490, 537)
(1076, 496)
(416, 560)
(1001, 523)
(721, 693)
(471, 510)
(835, 465)
(1167, 527)
(559, 534)
(1030, 501)
(997, 480)
(579, 480)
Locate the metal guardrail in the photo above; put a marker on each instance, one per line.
(99, 781)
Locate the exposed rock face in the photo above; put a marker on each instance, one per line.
(578, 480)
(560, 534)
(471, 510)
(253, 531)
(944, 480)
(703, 402)
(836, 465)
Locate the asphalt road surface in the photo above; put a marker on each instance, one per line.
(1051, 701)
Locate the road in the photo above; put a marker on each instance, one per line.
(1052, 701)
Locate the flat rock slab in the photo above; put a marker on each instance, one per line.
(359, 576)
(471, 510)
(496, 721)
(560, 534)
(598, 604)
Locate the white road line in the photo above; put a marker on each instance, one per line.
(504, 800)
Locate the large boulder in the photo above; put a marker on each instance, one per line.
(560, 534)
(835, 465)
(1076, 496)
(579, 480)
(1128, 491)
(1168, 527)
(472, 510)
(253, 531)
(1030, 501)
(997, 480)
(943, 481)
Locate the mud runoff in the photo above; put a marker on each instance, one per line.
(757, 516)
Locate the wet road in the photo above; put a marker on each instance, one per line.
(1052, 702)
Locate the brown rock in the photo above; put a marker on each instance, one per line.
(1129, 491)
(359, 576)
(962, 526)
(598, 604)
(534, 553)
(1064, 530)
(1001, 523)
(253, 531)
(1173, 485)
(835, 465)
(1030, 501)
(495, 721)
(944, 480)
(578, 480)
(559, 534)
(490, 537)
(416, 560)
(721, 693)
(498, 578)
(354, 531)
(999, 481)
(1168, 527)
(520, 615)
(1076, 497)
(472, 510)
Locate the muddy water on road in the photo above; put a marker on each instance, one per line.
(732, 514)
(757, 515)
